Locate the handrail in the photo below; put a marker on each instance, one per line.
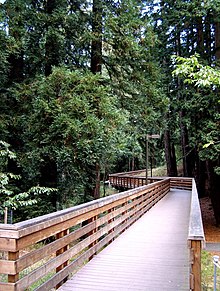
(75, 235)
(196, 239)
(130, 173)
(196, 231)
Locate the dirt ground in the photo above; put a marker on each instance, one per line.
(212, 233)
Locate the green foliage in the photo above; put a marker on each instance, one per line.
(128, 49)
(9, 196)
(3, 59)
(195, 73)
(75, 120)
(200, 75)
(62, 121)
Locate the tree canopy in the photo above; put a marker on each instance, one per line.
(186, 29)
(84, 82)
(80, 88)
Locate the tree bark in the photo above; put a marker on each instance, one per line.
(96, 194)
(49, 178)
(200, 36)
(16, 60)
(208, 40)
(200, 175)
(6, 215)
(96, 47)
(214, 179)
(187, 152)
(16, 73)
(213, 189)
(170, 155)
(217, 40)
(51, 52)
(96, 67)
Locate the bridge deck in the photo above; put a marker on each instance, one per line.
(151, 255)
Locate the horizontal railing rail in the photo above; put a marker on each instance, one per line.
(67, 239)
(181, 183)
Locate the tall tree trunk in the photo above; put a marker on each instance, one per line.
(200, 175)
(192, 36)
(96, 67)
(217, 40)
(133, 164)
(49, 178)
(208, 39)
(170, 155)
(200, 36)
(178, 43)
(96, 194)
(51, 53)
(6, 215)
(187, 152)
(49, 168)
(16, 60)
(213, 189)
(214, 179)
(96, 48)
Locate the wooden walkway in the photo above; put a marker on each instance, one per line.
(151, 255)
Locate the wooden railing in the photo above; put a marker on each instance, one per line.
(196, 240)
(196, 237)
(120, 180)
(68, 238)
(181, 183)
(130, 181)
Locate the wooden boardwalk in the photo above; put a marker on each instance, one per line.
(151, 255)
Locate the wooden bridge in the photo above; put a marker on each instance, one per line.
(152, 236)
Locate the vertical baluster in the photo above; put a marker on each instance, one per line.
(110, 221)
(93, 219)
(59, 252)
(124, 213)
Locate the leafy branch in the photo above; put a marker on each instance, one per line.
(8, 197)
(195, 73)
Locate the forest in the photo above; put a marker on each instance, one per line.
(83, 82)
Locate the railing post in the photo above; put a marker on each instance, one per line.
(13, 256)
(195, 238)
(195, 274)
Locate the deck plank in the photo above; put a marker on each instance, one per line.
(151, 255)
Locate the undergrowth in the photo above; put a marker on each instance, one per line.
(208, 272)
